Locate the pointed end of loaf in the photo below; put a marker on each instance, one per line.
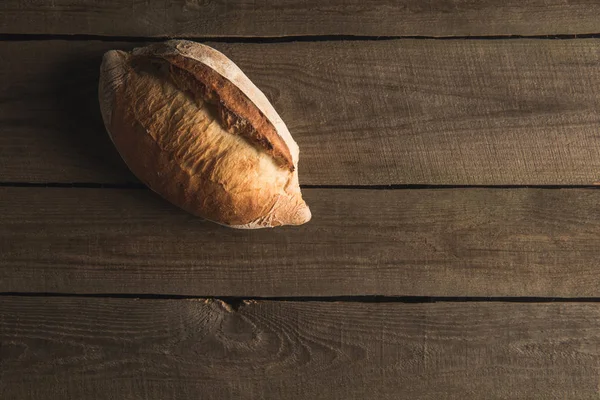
(299, 216)
(292, 211)
(287, 211)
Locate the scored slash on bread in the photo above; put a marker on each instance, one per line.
(190, 124)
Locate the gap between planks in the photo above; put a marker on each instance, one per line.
(236, 301)
(24, 37)
(141, 186)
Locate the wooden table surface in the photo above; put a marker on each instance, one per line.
(450, 153)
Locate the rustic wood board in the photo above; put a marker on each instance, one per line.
(485, 112)
(75, 348)
(442, 242)
(194, 18)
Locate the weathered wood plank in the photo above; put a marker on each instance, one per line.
(447, 242)
(388, 112)
(196, 18)
(74, 348)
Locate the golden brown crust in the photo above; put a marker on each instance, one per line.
(175, 141)
(195, 193)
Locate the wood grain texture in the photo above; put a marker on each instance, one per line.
(75, 348)
(363, 113)
(196, 18)
(446, 242)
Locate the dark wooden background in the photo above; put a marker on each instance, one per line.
(450, 152)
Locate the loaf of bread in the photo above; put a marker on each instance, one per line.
(192, 126)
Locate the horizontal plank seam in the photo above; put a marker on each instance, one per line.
(280, 39)
(237, 301)
(138, 186)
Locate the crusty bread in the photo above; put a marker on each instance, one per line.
(196, 130)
